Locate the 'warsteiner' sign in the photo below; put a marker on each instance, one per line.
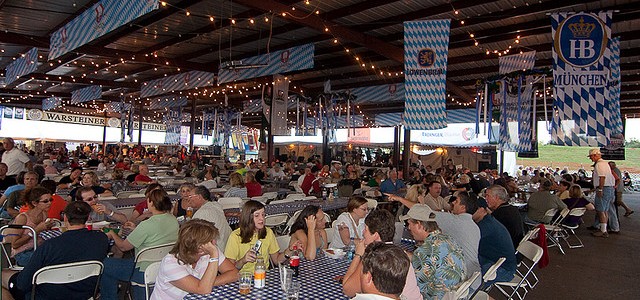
(38, 115)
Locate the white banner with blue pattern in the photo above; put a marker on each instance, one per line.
(612, 55)
(22, 66)
(515, 114)
(89, 93)
(102, 18)
(51, 103)
(517, 62)
(377, 93)
(179, 82)
(117, 107)
(279, 106)
(580, 78)
(426, 46)
(172, 120)
(388, 119)
(277, 62)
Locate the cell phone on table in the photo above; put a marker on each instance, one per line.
(256, 246)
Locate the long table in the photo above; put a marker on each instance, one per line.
(316, 282)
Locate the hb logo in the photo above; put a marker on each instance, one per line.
(581, 40)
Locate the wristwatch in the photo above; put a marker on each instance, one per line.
(213, 259)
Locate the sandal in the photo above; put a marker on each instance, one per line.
(628, 213)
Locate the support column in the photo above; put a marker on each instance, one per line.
(104, 135)
(395, 160)
(406, 154)
(140, 123)
(326, 151)
(270, 148)
(193, 124)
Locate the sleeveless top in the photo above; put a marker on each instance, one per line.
(29, 244)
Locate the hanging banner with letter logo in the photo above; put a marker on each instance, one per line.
(426, 46)
(277, 62)
(102, 18)
(580, 78)
(86, 94)
(22, 66)
(179, 82)
(279, 105)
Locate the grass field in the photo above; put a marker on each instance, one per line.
(576, 157)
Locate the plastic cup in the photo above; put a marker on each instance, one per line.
(244, 285)
(286, 275)
(292, 291)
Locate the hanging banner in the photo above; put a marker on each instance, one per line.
(117, 107)
(86, 94)
(426, 45)
(580, 78)
(22, 66)
(515, 115)
(279, 106)
(388, 119)
(8, 112)
(179, 82)
(169, 101)
(612, 55)
(517, 62)
(172, 119)
(51, 103)
(277, 62)
(377, 93)
(102, 18)
(19, 113)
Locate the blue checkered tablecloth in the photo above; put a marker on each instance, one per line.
(316, 280)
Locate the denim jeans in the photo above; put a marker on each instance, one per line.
(502, 275)
(23, 258)
(119, 269)
(614, 224)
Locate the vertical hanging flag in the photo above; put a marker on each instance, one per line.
(517, 62)
(580, 78)
(426, 46)
(89, 93)
(515, 115)
(173, 121)
(279, 105)
(613, 87)
(22, 66)
(102, 18)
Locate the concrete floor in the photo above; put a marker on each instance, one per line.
(606, 268)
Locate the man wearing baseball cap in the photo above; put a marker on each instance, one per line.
(603, 182)
(438, 262)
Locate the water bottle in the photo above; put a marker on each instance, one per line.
(335, 192)
(324, 194)
(351, 249)
(259, 274)
(294, 262)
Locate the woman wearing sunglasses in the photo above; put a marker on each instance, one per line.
(38, 199)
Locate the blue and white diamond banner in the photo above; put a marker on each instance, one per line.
(51, 103)
(580, 78)
(426, 47)
(388, 119)
(277, 62)
(89, 93)
(517, 62)
(515, 115)
(612, 55)
(117, 107)
(178, 82)
(168, 101)
(22, 66)
(172, 120)
(280, 98)
(102, 18)
(377, 93)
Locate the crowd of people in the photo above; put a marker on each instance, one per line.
(461, 222)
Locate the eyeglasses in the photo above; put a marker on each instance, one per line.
(90, 198)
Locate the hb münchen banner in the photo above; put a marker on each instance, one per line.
(426, 46)
(580, 77)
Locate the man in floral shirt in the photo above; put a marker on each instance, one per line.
(438, 262)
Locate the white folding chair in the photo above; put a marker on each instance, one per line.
(330, 232)
(209, 184)
(296, 187)
(108, 198)
(230, 202)
(550, 213)
(372, 203)
(7, 246)
(283, 241)
(291, 221)
(126, 194)
(519, 286)
(575, 212)
(276, 222)
(463, 289)
(531, 234)
(555, 230)
(67, 273)
(281, 201)
(150, 274)
(270, 195)
(136, 195)
(150, 254)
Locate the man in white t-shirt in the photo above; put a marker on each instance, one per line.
(604, 183)
(205, 209)
(16, 160)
